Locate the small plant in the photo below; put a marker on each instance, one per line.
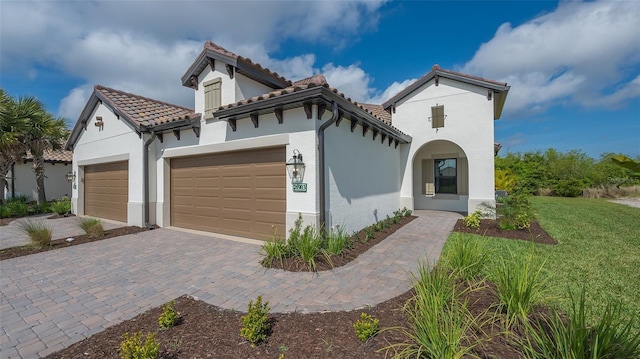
(255, 324)
(337, 241)
(38, 232)
(519, 284)
(62, 206)
(368, 234)
(17, 208)
(612, 336)
(366, 327)
(406, 212)
(516, 212)
(92, 227)
(309, 246)
(465, 256)
(132, 347)
(275, 249)
(472, 220)
(169, 316)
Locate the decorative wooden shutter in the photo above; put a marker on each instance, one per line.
(463, 176)
(437, 116)
(211, 97)
(427, 178)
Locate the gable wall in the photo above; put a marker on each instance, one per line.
(469, 123)
(116, 141)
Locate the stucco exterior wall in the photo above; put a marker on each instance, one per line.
(363, 176)
(468, 124)
(55, 182)
(116, 141)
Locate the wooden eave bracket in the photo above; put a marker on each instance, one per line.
(160, 137)
(489, 95)
(383, 137)
(229, 70)
(177, 134)
(212, 63)
(437, 78)
(254, 119)
(321, 107)
(354, 123)
(307, 110)
(84, 125)
(193, 81)
(365, 128)
(375, 134)
(393, 108)
(390, 141)
(196, 130)
(278, 113)
(396, 143)
(340, 118)
(233, 124)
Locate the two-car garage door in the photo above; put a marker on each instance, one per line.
(239, 193)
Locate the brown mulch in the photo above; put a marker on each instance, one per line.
(206, 331)
(489, 228)
(359, 246)
(14, 252)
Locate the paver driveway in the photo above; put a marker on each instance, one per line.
(53, 299)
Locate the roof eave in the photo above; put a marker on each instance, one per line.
(201, 63)
(498, 105)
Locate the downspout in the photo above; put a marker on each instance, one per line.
(323, 191)
(145, 177)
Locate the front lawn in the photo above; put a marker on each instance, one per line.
(598, 249)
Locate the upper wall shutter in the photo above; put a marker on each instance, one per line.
(463, 176)
(437, 116)
(212, 96)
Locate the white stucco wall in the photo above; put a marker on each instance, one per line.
(55, 182)
(363, 175)
(116, 141)
(468, 123)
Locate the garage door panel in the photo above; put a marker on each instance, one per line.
(106, 190)
(240, 193)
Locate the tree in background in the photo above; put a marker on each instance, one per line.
(27, 126)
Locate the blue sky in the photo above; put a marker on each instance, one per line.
(573, 67)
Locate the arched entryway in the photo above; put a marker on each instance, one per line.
(441, 177)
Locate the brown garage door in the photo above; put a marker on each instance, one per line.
(239, 193)
(106, 190)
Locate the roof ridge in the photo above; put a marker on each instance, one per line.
(99, 87)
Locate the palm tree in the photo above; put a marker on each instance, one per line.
(13, 117)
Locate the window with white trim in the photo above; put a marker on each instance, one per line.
(212, 96)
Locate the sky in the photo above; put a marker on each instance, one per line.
(573, 66)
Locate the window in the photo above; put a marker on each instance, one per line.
(437, 116)
(212, 97)
(445, 175)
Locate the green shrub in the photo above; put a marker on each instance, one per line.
(309, 246)
(255, 324)
(519, 284)
(5, 212)
(337, 241)
(472, 220)
(406, 212)
(612, 336)
(21, 199)
(465, 256)
(40, 208)
(568, 188)
(368, 234)
(38, 232)
(92, 227)
(366, 327)
(132, 347)
(169, 316)
(437, 281)
(274, 249)
(62, 206)
(515, 212)
(17, 208)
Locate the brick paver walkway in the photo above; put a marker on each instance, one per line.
(51, 300)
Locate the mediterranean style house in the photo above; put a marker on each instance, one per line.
(258, 150)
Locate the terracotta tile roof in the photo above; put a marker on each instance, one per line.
(378, 111)
(144, 111)
(318, 79)
(437, 67)
(59, 156)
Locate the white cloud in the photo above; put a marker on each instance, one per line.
(73, 103)
(572, 54)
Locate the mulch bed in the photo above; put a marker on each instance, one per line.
(489, 227)
(296, 264)
(206, 331)
(14, 252)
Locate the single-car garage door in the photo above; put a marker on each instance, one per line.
(106, 190)
(239, 193)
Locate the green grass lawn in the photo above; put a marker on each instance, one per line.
(598, 250)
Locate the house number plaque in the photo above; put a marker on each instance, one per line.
(299, 187)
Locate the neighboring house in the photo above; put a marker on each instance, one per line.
(221, 168)
(22, 179)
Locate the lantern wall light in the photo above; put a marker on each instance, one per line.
(71, 176)
(295, 167)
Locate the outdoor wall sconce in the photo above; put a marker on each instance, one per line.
(71, 176)
(99, 122)
(295, 167)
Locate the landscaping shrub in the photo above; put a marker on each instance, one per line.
(611, 336)
(132, 347)
(337, 241)
(17, 208)
(515, 212)
(472, 220)
(465, 256)
(92, 227)
(255, 324)
(366, 327)
(568, 188)
(61, 206)
(169, 316)
(38, 232)
(5, 212)
(519, 284)
(274, 249)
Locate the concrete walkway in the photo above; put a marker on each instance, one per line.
(12, 235)
(51, 300)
